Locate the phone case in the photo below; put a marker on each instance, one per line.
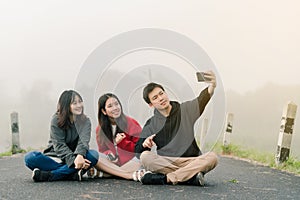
(200, 76)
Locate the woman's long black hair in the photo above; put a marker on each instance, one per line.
(105, 123)
(64, 110)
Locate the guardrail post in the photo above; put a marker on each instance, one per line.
(286, 132)
(228, 129)
(15, 132)
(203, 133)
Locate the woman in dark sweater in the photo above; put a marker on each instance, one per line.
(68, 156)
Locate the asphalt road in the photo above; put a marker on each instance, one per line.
(232, 179)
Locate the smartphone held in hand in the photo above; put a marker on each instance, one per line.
(200, 76)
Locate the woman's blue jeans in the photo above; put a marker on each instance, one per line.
(59, 171)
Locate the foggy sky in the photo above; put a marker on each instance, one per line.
(254, 44)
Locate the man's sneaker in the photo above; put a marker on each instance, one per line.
(198, 180)
(39, 176)
(150, 178)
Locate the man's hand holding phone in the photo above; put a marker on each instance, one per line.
(201, 76)
(208, 77)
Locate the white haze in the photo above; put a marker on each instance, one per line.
(254, 44)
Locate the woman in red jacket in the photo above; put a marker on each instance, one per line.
(116, 137)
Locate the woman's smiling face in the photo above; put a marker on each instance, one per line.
(76, 106)
(112, 108)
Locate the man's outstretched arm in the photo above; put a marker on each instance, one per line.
(211, 79)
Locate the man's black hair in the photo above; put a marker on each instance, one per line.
(149, 88)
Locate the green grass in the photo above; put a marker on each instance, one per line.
(233, 181)
(291, 165)
(7, 153)
(11, 152)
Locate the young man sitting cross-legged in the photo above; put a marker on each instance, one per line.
(171, 129)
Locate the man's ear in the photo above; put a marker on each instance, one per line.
(103, 111)
(150, 105)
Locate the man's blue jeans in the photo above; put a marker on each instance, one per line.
(59, 171)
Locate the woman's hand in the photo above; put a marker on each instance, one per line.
(81, 163)
(120, 137)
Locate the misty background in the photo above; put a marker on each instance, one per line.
(254, 45)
